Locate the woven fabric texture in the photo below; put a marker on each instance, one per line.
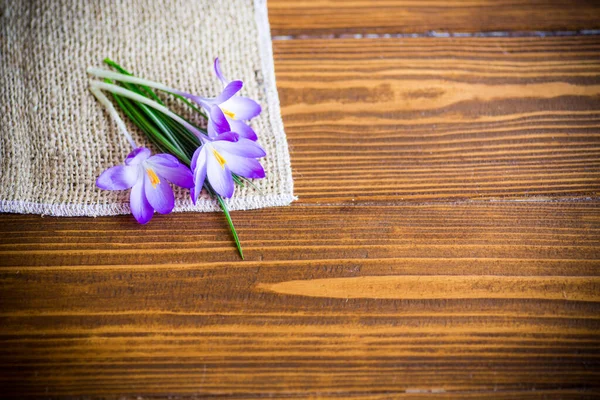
(55, 137)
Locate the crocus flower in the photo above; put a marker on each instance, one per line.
(226, 112)
(147, 177)
(221, 156)
(237, 109)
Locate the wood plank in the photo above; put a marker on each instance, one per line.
(497, 230)
(441, 119)
(335, 17)
(508, 303)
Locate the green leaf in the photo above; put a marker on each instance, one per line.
(155, 126)
(158, 119)
(153, 95)
(237, 180)
(146, 125)
(149, 92)
(230, 222)
(179, 136)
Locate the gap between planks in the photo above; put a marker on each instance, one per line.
(442, 34)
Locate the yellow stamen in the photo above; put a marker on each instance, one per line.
(153, 177)
(228, 113)
(219, 158)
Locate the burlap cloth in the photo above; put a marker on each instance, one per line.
(56, 138)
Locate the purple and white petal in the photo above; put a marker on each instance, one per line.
(217, 118)
(243, 129)
(199, 168)
(243, 147)
(211, 131)
(179, 175)
(168, 167)
(119, 177)
(228, 136)
(219, 176)
(194, 159)
(229, 91)
(219, 73)
(246, 167)
(166, 160)
(137, 156)
(140, 208)
(243, 108)
(159, 195)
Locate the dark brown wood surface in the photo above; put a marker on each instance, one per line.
(446, 242)
(340, 17)
(442, 119)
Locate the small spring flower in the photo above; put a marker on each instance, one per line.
(226, 112)
(237, 109)
(222, 153)
(218, 158)
(147, 177)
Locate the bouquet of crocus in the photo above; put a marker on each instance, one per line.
(214, 159)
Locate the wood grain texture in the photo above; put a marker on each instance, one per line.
(337, 17)
(442, 119)
(105, 307)
(446, 243)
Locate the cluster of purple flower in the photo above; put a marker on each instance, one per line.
(228, 147)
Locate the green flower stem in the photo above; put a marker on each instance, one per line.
(122, 77)
(161, 124)
(230, 223)
(115, 89)
(145, 125)
(145, 90)
(122, 70)
(160, 121)
(102, 73)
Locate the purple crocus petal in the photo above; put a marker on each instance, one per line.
(229, 91)
(210, 130)
(243, 129)
(118, 178)
(243, 147)
(166, 160)
(159, 194)
(140, 208)
(199, 168)
(219, 176)
(217, 118)
(219, 72)
(228, 136)
(168, 167)
(179, 175)
(241, 107)
(195, 158)
(246, 167)
(137, 156)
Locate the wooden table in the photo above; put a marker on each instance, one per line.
(446, 242)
